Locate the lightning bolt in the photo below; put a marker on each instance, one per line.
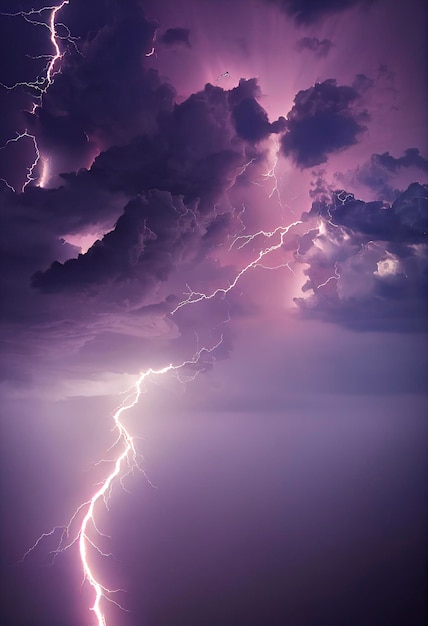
(335, 276)
(43, 81)
(124, 463)
(32, 167)
(82, 528)
(195, 296)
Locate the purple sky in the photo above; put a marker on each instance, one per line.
(286, 484)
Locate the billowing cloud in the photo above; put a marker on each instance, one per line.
(153, 206)
(411, 158)
(149, 239)
(324, 119)
(380, 172)
(250, 119)
(367, 262)
(103, 76)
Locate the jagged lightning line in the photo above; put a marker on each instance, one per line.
(127, 460)
(195, 296)
(127, 457)
(82, 526)
(335, 276)
(43, 81)
(31, 168)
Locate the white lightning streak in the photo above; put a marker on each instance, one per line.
(31, 168)
(123, 464)
(42, 82)
(196, 296)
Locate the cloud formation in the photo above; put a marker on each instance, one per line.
(367, 262)
(250, 119)
(309, 11)
(380, 171)
(105, 75)
(324, 119)
(176, 37)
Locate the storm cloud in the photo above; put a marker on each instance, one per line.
(381, 171)
(367, 265)
(324, 119)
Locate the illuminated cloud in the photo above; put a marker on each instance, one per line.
(367, 263)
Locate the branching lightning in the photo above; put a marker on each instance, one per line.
(82, 529)
(43, 81)
(195, 296)
(125, 461)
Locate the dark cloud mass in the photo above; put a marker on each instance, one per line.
(250, 119)
(368, 262)
(309, 11)
(147, 242)
(379, 172)
(155, 197)
(176, 36)
(100, 79)
(324, 119)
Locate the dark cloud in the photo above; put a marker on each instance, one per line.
(176, 36)
(250, 119)
(367, 264)
(153, 203)
(309, 11)
(378, 173)
(320, 47)
(246, 89)
(143, 248)
(319, 186)
(105, 94)
(194, 153)
(323, 120)
(406, 220)
(411, 158)
(150, 198)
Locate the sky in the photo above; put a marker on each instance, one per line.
(223, 205)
